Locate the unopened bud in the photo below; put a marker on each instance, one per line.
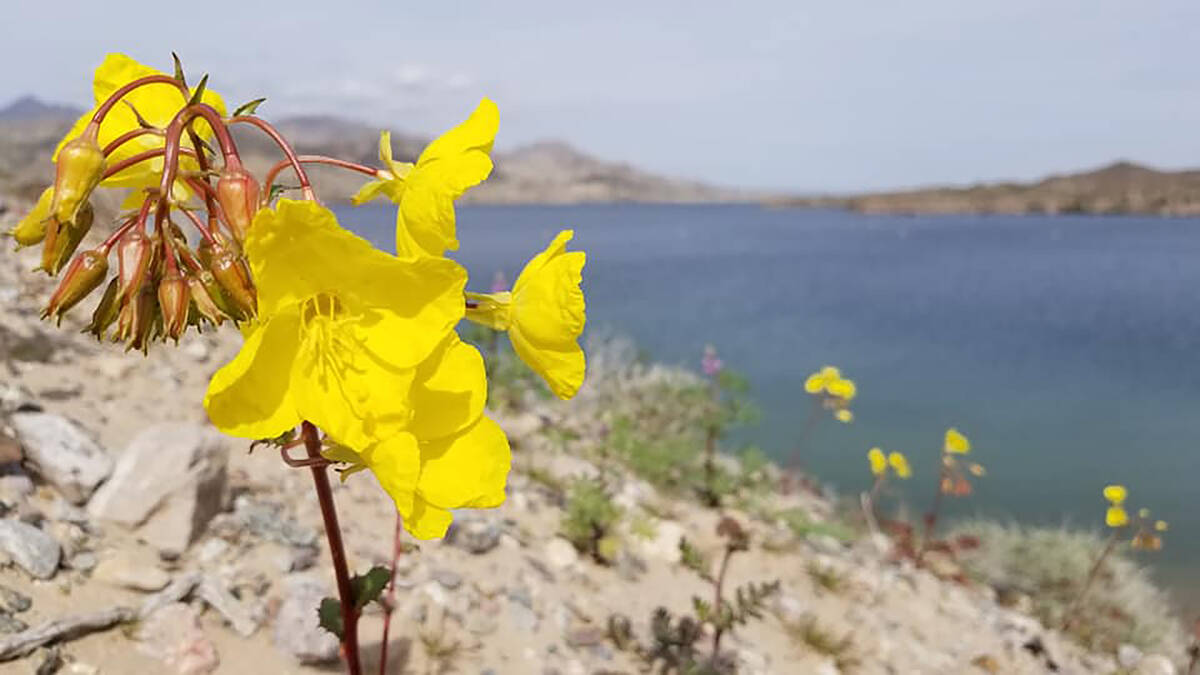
(231, 275)
(135, 252)
(237, 192)
(146, 319)
(84, 275)
(173, 301)
(106, 311)
(31, 229)
(78, 169)
(202, 287)
(63, 237)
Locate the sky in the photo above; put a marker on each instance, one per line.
(778, 95)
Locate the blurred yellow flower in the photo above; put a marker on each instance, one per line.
(956, 443)
(544, 315)
(1160, 525)
(1115, 493)
(1143, 513)
(843, 415)
(156, 103)
(842, 388)
(879, 462)
(976, 470)
(899, 464)
(1116, 517)
(425, 191)
(820, 380)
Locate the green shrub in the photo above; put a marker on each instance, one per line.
(590, 520)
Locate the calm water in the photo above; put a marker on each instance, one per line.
(1066, 348)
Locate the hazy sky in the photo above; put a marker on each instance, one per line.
(783, 94)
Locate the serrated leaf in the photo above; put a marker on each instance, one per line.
(199, 92)
(329, 615)
(367, 587)
(178, 69)
(277, 190)
(248, 107)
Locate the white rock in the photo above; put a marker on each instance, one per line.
(59, 451)
(297, 632)
(559, 553)
(1155, 664)
(127, 569)
(168, 484)
(35, 551)
(1128, 656)
(665, 543)
(173, 635)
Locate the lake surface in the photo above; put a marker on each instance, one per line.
(1066, 348)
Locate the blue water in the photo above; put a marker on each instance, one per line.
(1066, 348)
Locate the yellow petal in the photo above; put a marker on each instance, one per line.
(493, 310)
(842, 388)
(396, 463)
(844, 416)
(956, 443)
(900, 465)
(450, 391)
(298, 250)
(475, 135)
(249, 397)
(467, 470)
(426, 521)
(549, 308)
(562, 367)
(877, 460)
(1160, 525)
(1115, 493)
(815, 384)
(1116, 517)
(31, 230)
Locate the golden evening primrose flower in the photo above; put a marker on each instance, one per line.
(425, 191)
(879, 462)
(820, 380)
(956, 443)
(156, 103)
(341, 326)
(899, 464)
(1115, 516)
(544, 315)
(843, 415)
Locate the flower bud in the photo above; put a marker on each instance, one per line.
(31, 230)
(63, 237)
(237, 192)
(135, 252)
(204, 291)
(78, 169)
(173, 300)
(106, 311)
(231, 275)
(140, 317)
(83, 276)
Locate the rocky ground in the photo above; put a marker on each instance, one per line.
(121, 507)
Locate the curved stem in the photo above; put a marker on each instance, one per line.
(931, 518)
(718, 600)
(129, 136)
(204, 231)
(286, 147)
(389, 604)
(140, 157)
(317, 159)
(1069, 615)
(130, 86)
(312, 443)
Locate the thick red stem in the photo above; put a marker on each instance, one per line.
(286, 147)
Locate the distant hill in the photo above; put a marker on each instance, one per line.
(1119, 188)
(548, 172)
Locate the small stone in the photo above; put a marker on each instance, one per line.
(48, 661)
(11, 624)
(14, 489)
(296, 630)
(34, 550)
(14, 398)
(241, 617)
(113, 368)
(523, 618)
(1128, 656)
(584, 635)
(212, 550)
(664, 545)
(559, 553)
(447, 578)
(475, 535)
(172, 634)
(59, 451)
(83, 562)
(271, 521)
(79, 668)
(168, 485)
(298, 558)
(825, 543)
(197, 350)
(1155, 664)
(14, 601)
(127, 570)
(481, 623)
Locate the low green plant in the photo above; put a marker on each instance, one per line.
(809, 632)
(674, 646)
(590, 520)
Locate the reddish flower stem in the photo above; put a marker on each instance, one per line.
(204, 231)
(312, 443)
(120, 166)
(1069, 615)
(130, 86)
(129, 136)
(286, 147)
(315, 159)
(931, 518)
(389, 604)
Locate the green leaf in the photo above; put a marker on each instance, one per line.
(367, 587)
(248, 107)
(138, 116)
(277, 190)
(199, 92)
(179, 69)
(329, 615)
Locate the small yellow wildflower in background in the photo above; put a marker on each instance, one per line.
(880, 463)
(956, 443)
(1116, 515)
(544, 315)
(878, 460)
(899, 464)
(834, 391)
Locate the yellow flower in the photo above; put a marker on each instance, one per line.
(1115, 493)
(156, 103)
(544, 315)
(956, 443)
(843, 415)
(31, 229)
(1143, 513)
(899, 464)
(341, 324)
(820, 380)
(842, 388)
(879, 463)
(1160, 525)
(425, 191)
(1116, 517)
